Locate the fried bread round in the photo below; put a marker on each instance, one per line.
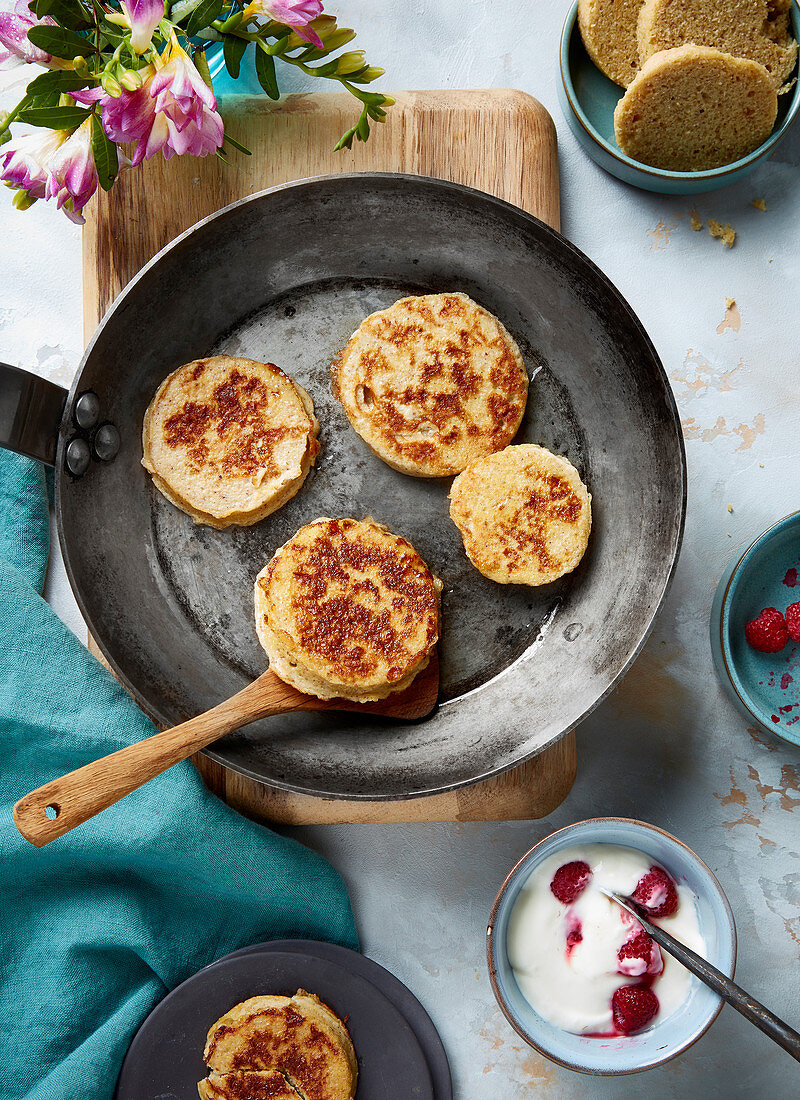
(229, 440)
(299, 1036)
(524, 515)
(345, 609)
(246, 1084)
(432, 383)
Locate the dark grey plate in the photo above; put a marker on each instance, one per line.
(287, 275)
(165, 1059)
(400, 995)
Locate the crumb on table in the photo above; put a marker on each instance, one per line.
(695, 219)
(725, 232)
(759, 204)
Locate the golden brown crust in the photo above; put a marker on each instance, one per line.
(695, 108)
(299, 1036)
(347, 609)
(432, 383)
(229, 440)
(524, 515)
(246, 1085)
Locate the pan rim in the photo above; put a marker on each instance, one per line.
(509, 210)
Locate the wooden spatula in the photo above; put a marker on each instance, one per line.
(60, 805)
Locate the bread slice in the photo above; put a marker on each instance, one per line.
(608, 29)
(694, 108)
(754, 29)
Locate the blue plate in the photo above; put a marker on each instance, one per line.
(764, 686)
(588, 99)
(667, 1038)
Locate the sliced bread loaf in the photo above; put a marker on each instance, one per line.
(756, 29)
(608, 29)
(693, 108)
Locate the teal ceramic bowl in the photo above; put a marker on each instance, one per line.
(667, 1038)
(588, 100)
(764, 686)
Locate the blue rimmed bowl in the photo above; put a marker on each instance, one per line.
(588, 99)
(667, 1038)
(764, 686)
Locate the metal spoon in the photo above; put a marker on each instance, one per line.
(736, 997)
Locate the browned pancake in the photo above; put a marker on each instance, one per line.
(299, 1036)
(347, 609)
(524, 515)
(229, 440)
(432, 383)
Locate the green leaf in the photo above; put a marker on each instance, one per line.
(265, 71)
(233, 50)
(204, 14)
(58, 41)
(56, 118)
(238, 145)
(41, 7)
(68, 13)
(105, 155)
(56, 80)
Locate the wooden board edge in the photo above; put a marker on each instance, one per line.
(526, 792)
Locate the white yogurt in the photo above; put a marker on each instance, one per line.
(572, 987)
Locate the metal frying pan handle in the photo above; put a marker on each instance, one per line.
(30, 413)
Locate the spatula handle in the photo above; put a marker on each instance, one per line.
(58, 806)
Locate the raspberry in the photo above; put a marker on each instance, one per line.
(633, 1007)
(571, 880)
(656, 893)
(792, 618)
(573, 939)
(639, 955)
(767, 633)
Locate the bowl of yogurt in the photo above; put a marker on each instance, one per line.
(577, 977)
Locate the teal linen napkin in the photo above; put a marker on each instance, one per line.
(96, 927)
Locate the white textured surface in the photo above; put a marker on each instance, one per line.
(667, 746)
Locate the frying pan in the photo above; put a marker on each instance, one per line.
(286, 276)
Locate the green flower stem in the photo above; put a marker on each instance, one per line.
(12, 115)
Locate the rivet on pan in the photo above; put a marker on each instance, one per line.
(106, 442)
(78, 457)
(573, 631)
(87, 410)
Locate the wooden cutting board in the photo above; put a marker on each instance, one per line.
(499, 141)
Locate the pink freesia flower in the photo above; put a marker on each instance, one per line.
(15, 22)
(72, 174)
(143, 16)
(296, 14)
(174, 111)
(25, 161)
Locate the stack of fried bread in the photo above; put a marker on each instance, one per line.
(279, 1048)
(702, 76)
(345, 609)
